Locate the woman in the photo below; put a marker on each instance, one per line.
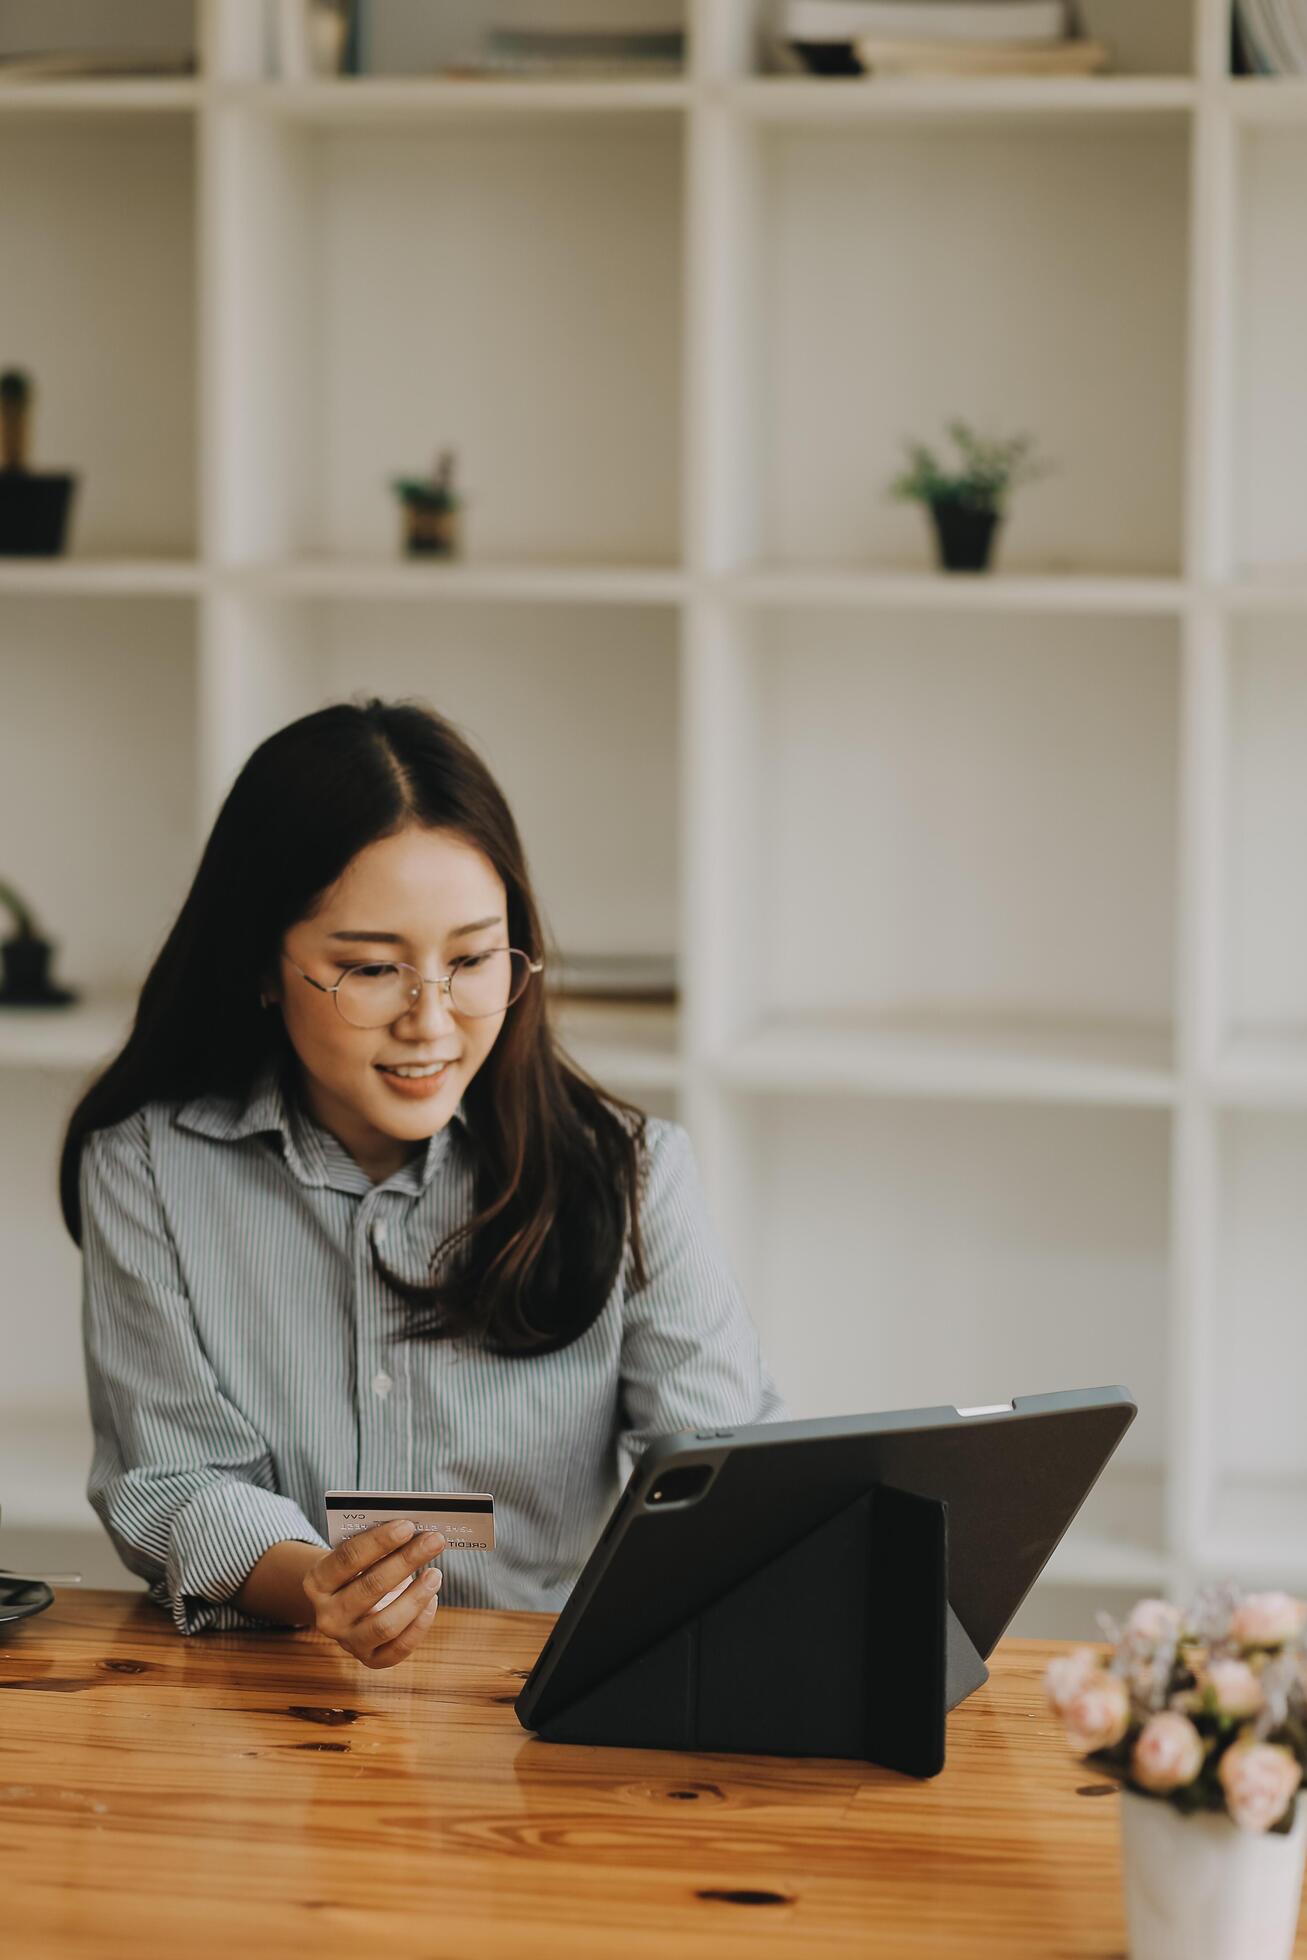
(350, 1219)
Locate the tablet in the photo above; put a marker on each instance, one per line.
(704, 1512)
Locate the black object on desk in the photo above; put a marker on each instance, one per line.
(822, 1588)
(20, 1598)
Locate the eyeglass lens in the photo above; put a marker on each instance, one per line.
(484, 984)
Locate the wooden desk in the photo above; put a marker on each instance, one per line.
(249, 1794)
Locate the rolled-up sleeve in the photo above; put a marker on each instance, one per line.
(181, 1480)
(690, 1352)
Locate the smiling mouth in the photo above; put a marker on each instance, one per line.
(413, 1071)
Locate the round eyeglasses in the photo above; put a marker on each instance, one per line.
(476, 986)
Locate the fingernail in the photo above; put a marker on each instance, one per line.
(399, 1531)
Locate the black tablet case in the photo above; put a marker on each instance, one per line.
(893, 1657)
(845, 1642)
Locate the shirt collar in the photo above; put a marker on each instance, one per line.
(313, 1154)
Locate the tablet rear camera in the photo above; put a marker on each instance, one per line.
(681, 1486)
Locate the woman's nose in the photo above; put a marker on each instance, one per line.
(432, 1008)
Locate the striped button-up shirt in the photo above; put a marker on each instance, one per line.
(241, 1355)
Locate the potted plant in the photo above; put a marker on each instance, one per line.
(25, 960)
(431, 510)
(969, 502)
(1201, 1716)
(33, 505)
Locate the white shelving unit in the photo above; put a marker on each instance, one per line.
(993, 1038)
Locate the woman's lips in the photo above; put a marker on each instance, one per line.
(415, 1087)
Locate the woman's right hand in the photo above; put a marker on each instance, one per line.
(345, 1585)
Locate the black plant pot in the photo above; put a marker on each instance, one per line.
(34, 508)
(27, 982)
(964, 536)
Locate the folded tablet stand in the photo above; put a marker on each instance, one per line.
(843, 1645)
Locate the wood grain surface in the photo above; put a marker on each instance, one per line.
(250, 1794)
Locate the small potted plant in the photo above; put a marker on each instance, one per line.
(25, 960)
(1201, 1716)
(969, 502)
(33, 504)
(432, 506)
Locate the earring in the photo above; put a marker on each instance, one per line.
(264, 1001)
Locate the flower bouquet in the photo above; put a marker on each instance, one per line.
(1201, 1715)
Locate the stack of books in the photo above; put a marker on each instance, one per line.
(596, 50)
(567, 39)
(1270, 37)
(631, 978)
(82, 64)
(937, 37)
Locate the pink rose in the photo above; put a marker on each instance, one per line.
(1067, 1674)
(1259, 1780)
(1098, 1715)
(1237, 1690)
(1155, 1620)
(1268, 1619)
(1168, 1754)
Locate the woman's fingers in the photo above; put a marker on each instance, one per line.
(391, 1635)
(345, 1589)
(358, 1598)
(336, 1569)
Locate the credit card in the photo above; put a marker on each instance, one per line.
(467, 1519)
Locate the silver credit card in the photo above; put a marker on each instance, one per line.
(467, 1519)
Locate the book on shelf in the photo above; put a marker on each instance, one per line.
(844, 21)
(630, 978)
(95, 64)
(880, 56)
(576, 52)
(934, 37)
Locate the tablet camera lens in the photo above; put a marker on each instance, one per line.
(681, 1486)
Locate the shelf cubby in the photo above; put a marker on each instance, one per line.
(390, 266)
(403, 41)
(96, 240)
(97, 698)
(1047, 295)
(978, 900)
(1253, 1521)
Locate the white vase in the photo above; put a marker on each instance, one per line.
(1199, 1888)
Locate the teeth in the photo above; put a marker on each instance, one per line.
(433, 1069)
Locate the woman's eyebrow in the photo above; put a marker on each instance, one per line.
(397, 939)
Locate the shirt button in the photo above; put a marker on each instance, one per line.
(382, 1384)
(379, 1231)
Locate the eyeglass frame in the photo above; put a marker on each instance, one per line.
(445, 980)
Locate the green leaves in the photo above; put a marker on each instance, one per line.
(989, 470)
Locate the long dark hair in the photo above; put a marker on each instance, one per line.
(557, 1160)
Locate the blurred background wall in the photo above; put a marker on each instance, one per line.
(979, 894)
